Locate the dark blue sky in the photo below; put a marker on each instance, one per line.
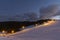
(22, 6)
(18, 7)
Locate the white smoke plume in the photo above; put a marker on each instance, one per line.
(49, 11)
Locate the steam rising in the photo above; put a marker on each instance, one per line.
(49, 11)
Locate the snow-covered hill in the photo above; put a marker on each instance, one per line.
(50, 32)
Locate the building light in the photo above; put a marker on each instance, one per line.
(12, 31)
(3, 31)
(23, 27)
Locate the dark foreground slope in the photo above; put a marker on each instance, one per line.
(17, 25)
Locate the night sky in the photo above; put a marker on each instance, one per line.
(11, 8)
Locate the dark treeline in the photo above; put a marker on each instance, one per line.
(15, 25)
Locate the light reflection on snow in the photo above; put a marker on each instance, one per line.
(49, 23)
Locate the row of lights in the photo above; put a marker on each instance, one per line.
(46, 23)
(3, 33)
(49, 22)
(13, 30)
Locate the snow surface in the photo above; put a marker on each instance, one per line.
(50, 32)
